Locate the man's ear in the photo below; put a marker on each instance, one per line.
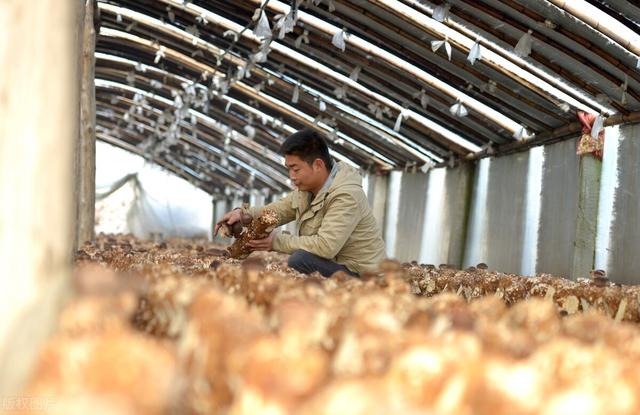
(318, 164)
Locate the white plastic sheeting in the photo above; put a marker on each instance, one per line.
(522, 213)
(413, 198)
(391, 225)
(433, 250)
(152, 204)
(619, 214)
(558, 208)
(533, 201)
(474, 252)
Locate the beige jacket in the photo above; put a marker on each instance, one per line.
(338, 224)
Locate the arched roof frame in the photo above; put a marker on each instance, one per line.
(585, 57)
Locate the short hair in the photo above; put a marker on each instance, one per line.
(308, 145)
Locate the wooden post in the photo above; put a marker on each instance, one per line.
(38, 112)
(214, 215)
(86, 148)
(586, 221)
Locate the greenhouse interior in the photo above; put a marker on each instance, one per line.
(320, 207)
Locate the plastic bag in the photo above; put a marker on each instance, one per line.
(441, 12)
(458, 110)
(403, 114)
(160, 53)
(338, 40)
(623, 89)
(231, 33)
(436, 44)
(475, 53)
(396, 127)
(598, 125)
(250, 131)
(303, 37)
(355, 73)
(424, 99)
(296, 94)
(520, 133)
(262, 28)
(523, 47)
(289, 22)
(280, 24)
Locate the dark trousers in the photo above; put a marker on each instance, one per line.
(306, 262)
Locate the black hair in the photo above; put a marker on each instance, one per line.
(308, 145)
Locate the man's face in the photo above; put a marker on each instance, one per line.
(304, 176)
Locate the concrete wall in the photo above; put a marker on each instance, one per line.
(623, 262)
(559, 205)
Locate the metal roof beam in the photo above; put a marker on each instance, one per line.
(214, 18)
(246, 89)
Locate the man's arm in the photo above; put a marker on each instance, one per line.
(337, 225)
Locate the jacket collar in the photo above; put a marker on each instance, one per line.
(340, 175)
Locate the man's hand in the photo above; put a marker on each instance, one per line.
(262, 244)
(232, 217)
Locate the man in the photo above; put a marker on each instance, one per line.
(335, 229)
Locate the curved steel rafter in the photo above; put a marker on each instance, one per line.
(350, 144)
(389, 40)
(241, 157)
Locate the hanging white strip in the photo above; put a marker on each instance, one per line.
(203, 118)
(288, 128)
(371, 124)
(409, 68)
(466, 38)
(341, 79)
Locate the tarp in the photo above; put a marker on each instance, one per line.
(136, 197)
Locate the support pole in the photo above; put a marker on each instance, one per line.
(38, 115)
(586, 222)
(86, 174)
(214, 217)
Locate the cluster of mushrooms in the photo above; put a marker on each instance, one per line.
(181, 327)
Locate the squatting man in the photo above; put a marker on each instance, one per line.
(335, 228)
